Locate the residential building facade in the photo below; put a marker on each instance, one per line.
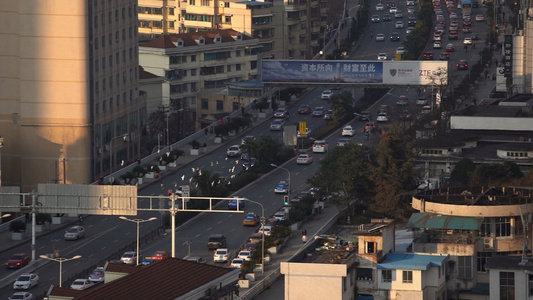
(70, 90)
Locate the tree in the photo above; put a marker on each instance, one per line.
(208, 183)
(494, 174)
(394, 176)
(461, 171)
(265, 150)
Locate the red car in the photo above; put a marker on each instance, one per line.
(160, 255)
(18, 261)
(304, 109)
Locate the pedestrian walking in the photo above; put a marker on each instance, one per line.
(304, 236)
(367, 134)
(473, 45)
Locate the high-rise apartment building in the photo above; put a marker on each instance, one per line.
(285, 29)
(70, 106)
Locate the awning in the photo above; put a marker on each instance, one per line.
(433, 221)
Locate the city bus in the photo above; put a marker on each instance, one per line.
(466, 5)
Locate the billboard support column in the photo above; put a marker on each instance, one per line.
(33, 223)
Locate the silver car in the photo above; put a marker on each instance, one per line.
(74, 233)
(277, 125)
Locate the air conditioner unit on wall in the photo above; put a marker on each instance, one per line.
(488, 243)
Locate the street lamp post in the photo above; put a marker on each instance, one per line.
(138, 221)
(60, 260)
(262, 234)
(1, 146)
(111, 150)
(289, 173)
(65, 170)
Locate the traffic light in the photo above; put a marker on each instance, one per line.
(286, 200)
(170, 192)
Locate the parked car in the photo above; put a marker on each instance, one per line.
(348, 131)
(304, 109)
(97, 275)
(234, 151)
(196, 259)
(281, 214)
(17, 261)
(160, 255)
(266, 230)
(74, 233)
(129, 257)
(221, 255)
(216, 241)
(282, 188)
(304, 159)
(21, 296)
(250, 219)
(26, 281)
(320, 146)
(276, 125)
(326, 94)
(81, 284)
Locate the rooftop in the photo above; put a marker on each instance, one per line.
(509, 263)
(480, 196)
(412, 261)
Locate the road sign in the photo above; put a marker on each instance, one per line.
(302, 127)
(186, 192)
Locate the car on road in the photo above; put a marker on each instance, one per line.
(318, 111)
(216, 241)
(453, 35)
(480, 18)
(410, 2)
(386, 18)
(304, 109)
(221, 255)
(280, 113)
(248, 163)
(467, 21)
(395, 37)
(282, 188)
(247, 139)
(74, 233)
(421, 101)
(400, 50)
(81, 284)
(427, 56)
(280, 215)
(393, 9)
(245, 255)
(437, 45)
(21, 296)
(17, 261)
(365, 115)
(304, 135)
(237, 263)
(129, 257)
(450, 47)
(398, 14)
(467, 41)
(160, 255)
(326, 94)
(235, 204)
(276, 125)
(379, 7)
(462, 65)
(348, 131)
(380, 37)
(382, 56)
(409, 29)
(97, 275)
(250, 219)
(411, 21)
(474, 36)
(426, 110)
(411, 10)
(398, 25)
(26, 281)
(385, 108)
(402, 100)
(369, 126)
(266, 230)
(444, 56)
(234, 151)
(466, 30)
(320, 146)
(304, 159)
(437, 36)
(196, 259)
(382, 117)
(342, 142)
(375, 19)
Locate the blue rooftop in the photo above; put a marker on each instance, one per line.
(411, 261)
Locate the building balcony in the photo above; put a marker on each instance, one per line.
(197, 24)
(150, 17)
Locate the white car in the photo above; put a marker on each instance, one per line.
(437, 45)
(410, 2)
(266, 230)
(245, 255)
(380, 37)
(348, 131)
(393, 9)
(280, 113)
(75, 233)
(280, 215)
(467, 41)
(305, 135)
(326, 94)
(409, 29)
(382, 56)
(26, 281)
(304, 159)
(421, 101)
(237, 263)
(221, 255)
(129, 257)
(277, 125)
(398, 25)
(379, 7)
(400, 50)
(21, 296)
(81, 284)
(234, 151)
(320, 146)
(382, 117)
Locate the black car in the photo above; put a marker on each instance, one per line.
(428, 56)
(395, 37)
(444, 56)
(411, 22)
(386, 18)
(462, 65)
(453, 35)
(247, 164)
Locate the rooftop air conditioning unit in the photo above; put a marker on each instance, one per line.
(488, 243)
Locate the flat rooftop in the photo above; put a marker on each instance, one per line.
(481, 196)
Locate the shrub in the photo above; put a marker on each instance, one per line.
(195, 144)
(139, 171)
(42, 218)
(17, 226)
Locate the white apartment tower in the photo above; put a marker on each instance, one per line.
(69, 106)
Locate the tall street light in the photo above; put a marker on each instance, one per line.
(1, 146)
(124, 136)
(138, 221)
(60, 260)
(289, 173)
(263, 221)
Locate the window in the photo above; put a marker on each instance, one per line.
(530, 284)
(205, 2)
(238, 53)
(193, 72)
(205, 103)
(193, 57)
(485, 228)
(386, 275)
(192, 2)
(503, 226)
(220, 105)
(518, 227)
(407, 276)
(371, 247)
(228, 68)
(482, 258)
(226, 4)
(238, 67)
(193, 86)
(465, 266)
(364, 274)
(507, 286)
(227, 19)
